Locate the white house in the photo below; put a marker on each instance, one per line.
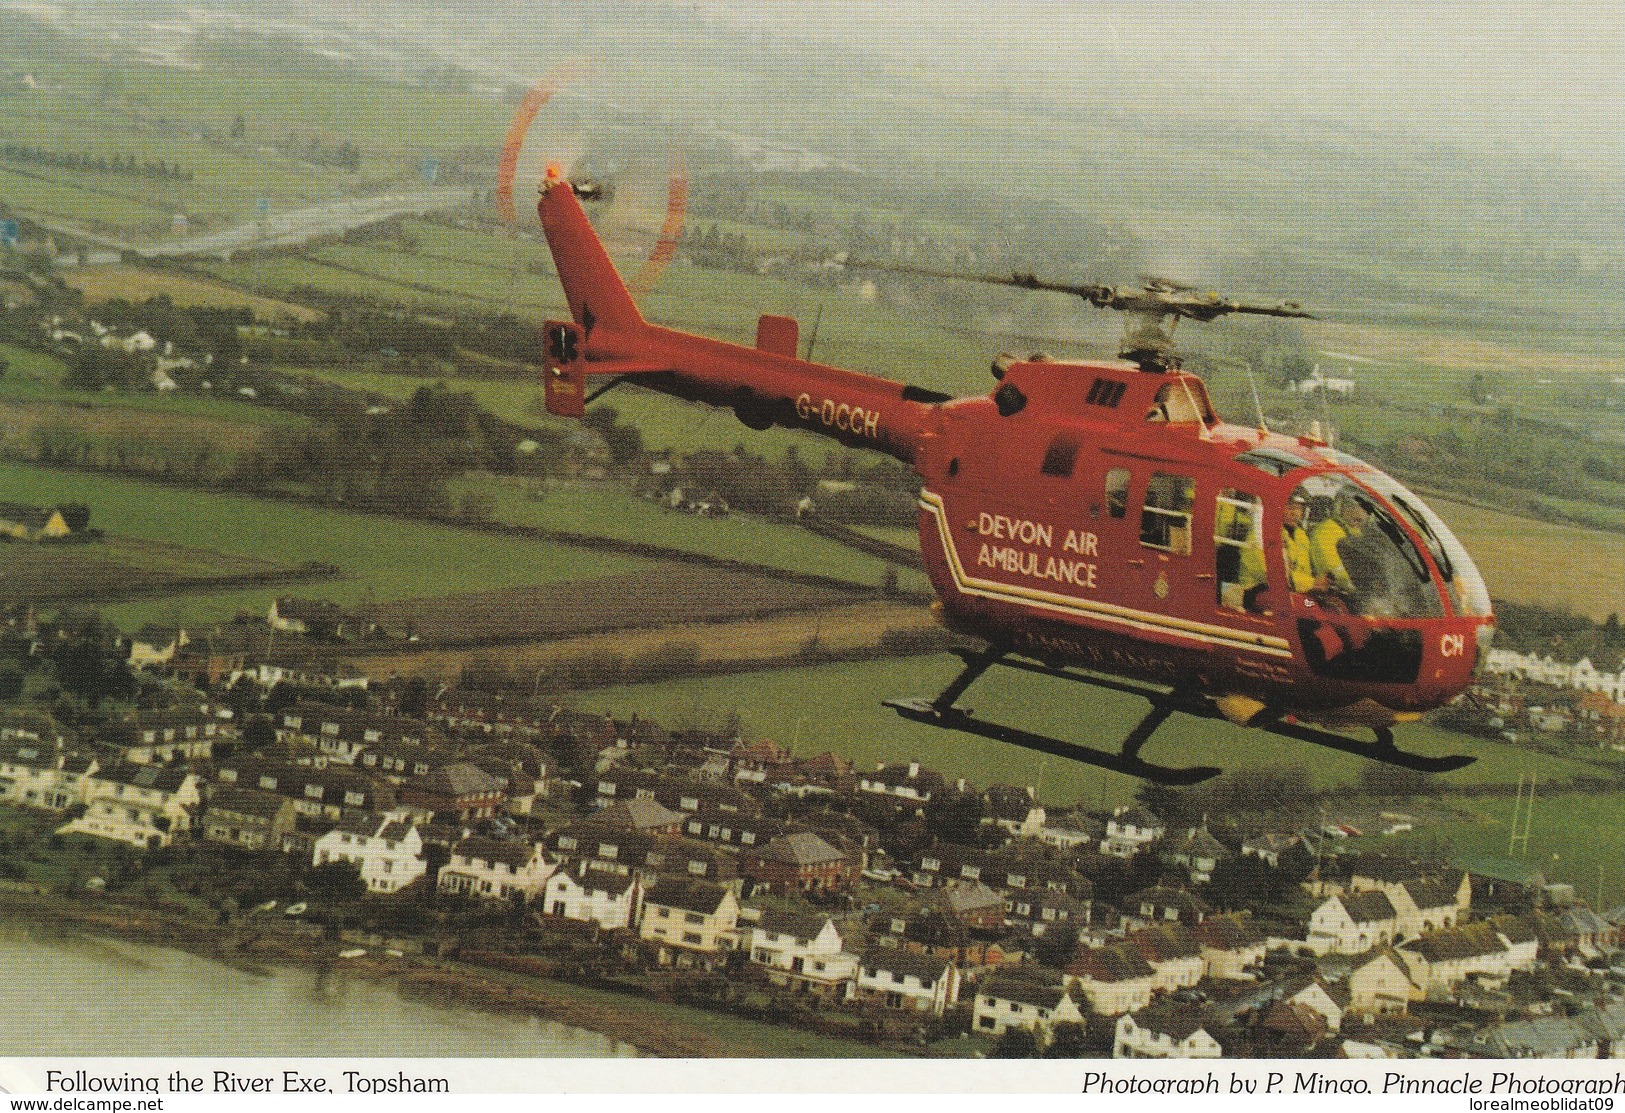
(897, 979)
(1581, 675)
(143, 805)
(36, 773)
(388, 851)
(1018, 1002)
(1353, 923)
(803, 953)
(1441, 961)
(1130, 830)
(610, 900)
(1164, 1033)
(494, 869)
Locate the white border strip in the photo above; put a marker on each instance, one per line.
(1143, 621)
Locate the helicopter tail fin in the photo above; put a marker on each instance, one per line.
(597, 296)
(604, 315)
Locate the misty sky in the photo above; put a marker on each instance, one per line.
(1517, 76)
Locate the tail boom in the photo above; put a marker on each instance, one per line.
(764, 385)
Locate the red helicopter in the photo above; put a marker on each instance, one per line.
(1097, 522)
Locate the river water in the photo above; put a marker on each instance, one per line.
(78, 996)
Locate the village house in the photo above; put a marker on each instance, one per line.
(1014, 810)
(247, 819)
(649, 856)
(208, 658)
(975, 905)
(1439, 962)
(36, 772)
(1131, 830)
(146, 806)
(399, 762)
(801, 862)
(1044, 910)
(1289, 1029)
(1522, 938)
(1380, 986)
(1233, 947)
(681, 794)
(1197, 853)
(172, 734)
(267, 673)
(312, 618)
(495, 869)
(341, 733)
(465, 710)
(1353, 923)
(1314, 994)
(387, 851)
(891, 978)
(691, 922)
(758, 762)
(460, 792)
(733, 828)
(1172, 953)
(1019, 1001)
(1012, 869)
(1165, 1031)
(1269, 846)
(333, 793)
(1422, 899)
(1071, 830)
(523, 765)
(911, 785)
(610, 900)
(1540, 1037)
(1114, 980)
(641, 814)
(802, 953)
(1543, 669)
(155, 645)
(1162, 905)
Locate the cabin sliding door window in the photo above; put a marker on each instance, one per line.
(1238, 551)
(1165, 519)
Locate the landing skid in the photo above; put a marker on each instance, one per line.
(941, 712)
(954, 718)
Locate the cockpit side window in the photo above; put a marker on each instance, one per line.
(1361, 554)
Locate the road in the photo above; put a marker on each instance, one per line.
(295, 226)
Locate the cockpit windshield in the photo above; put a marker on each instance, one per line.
(1361, 554)
(1468, 593)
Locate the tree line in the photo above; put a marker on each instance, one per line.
(125, 164)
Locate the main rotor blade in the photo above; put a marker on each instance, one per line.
(1158, 299)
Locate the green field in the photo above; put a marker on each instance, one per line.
(380, 558)
(838, 707)
(1574, 838)
(611, 510)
